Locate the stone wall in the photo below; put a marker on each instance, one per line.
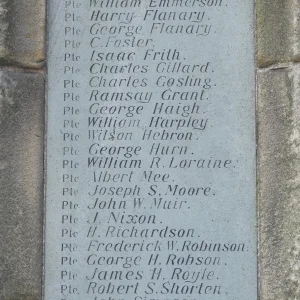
(22, 118)
(278, 134)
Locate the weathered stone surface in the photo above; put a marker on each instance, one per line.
(22, 32)
(278, 31)
(21, 181)
(279, 178)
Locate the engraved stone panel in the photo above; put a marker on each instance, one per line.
(151, 150)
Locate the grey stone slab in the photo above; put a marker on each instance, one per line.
(103, 136)
(22, 32)
(21, 184)
(279, 192)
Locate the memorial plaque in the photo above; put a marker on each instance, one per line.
(150, 183)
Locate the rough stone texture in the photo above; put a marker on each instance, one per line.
(278, 111)
(22, 32)
(279, 179)
(278, 31)
(21, 182)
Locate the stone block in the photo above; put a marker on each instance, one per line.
(21, 181)
(278, 113)
(22, 32)
(278, 31)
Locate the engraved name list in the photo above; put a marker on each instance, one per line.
(150, 185)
